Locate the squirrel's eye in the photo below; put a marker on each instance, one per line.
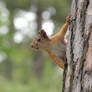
(39, 40)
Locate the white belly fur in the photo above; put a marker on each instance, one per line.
(59, 49)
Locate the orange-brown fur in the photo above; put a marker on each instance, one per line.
(55, 46)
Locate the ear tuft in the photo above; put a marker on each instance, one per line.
(43, 33)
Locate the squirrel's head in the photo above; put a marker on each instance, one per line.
(41, 41)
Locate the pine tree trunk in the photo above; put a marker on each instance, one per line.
(78, 67)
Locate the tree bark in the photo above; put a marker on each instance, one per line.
(78, 66)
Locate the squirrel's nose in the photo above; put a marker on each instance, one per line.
(32, 46)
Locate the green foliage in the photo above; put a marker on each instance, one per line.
(21, 68)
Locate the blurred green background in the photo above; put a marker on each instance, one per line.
(21, 68)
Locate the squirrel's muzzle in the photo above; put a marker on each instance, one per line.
(34, 47)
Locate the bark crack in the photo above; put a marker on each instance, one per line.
(76, 48)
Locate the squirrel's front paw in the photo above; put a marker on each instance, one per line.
(68, 18)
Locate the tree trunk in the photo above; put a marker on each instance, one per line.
(78, 67)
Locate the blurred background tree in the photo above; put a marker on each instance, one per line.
(21, 68)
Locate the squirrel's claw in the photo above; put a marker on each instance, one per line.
(68, 18)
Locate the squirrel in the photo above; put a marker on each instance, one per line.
(55, 45)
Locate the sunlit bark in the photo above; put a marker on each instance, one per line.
(78, 67)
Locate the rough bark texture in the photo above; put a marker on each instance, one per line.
(78, 67)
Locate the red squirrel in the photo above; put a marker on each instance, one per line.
(55, 45)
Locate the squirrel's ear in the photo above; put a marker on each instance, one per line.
(43, 33)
